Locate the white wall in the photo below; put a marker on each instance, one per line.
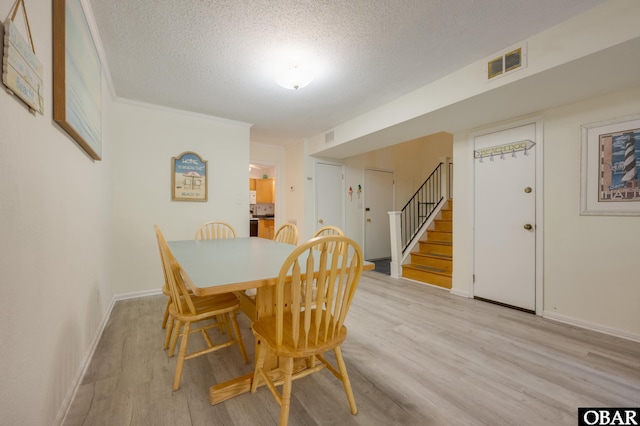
(590, 262)
(55, 224)
(294, 188)
(144, 141)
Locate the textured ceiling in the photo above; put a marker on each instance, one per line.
(218, 57)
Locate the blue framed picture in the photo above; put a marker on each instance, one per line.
(77, 77)
(188, 177)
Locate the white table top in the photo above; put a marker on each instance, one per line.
(235, 264)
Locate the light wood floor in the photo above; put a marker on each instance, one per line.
(416, 355)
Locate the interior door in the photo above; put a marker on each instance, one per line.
(505, 217)
(379, 200)
(329, 195)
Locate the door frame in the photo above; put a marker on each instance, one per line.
(539, 264)
(364, 213)
(277, 190)
(315, 186)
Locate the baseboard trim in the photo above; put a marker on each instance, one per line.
(82, 369)
(458, 292)
(591, 326)
(136, 294)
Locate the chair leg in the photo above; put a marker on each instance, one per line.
(261, 354)
(286, 392)
(168, 333)
(186, 330)
(166, 315)
(345, 380)
(236, 330)
(174, 337)
(220, 319)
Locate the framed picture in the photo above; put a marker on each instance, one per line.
(610, 167)
(77, 77)
(188, 177)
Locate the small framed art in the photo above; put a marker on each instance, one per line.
(610, 167)
(188, 177)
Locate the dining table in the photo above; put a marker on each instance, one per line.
(235, 265)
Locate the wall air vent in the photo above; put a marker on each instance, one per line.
(328, 137)
(506, 62)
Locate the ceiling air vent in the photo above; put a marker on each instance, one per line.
(506, 62)
(328, 137)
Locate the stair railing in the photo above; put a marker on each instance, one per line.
(421, 205)
(406, 225)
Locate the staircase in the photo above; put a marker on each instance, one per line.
(432, 263)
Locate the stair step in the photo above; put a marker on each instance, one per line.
(443, 225)
(436, 247)
(446, 256)
(434, 276)
(442, 236)
(435, 262)
(427, 268)
(437, 243)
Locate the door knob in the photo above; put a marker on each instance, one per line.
(527, 189)
(368, 219)
(320, 221)
(528, 227)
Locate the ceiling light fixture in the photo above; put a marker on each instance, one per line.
(294, 77)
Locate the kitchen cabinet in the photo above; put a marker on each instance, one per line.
(252, 184)
(265, 190)
(266, 228)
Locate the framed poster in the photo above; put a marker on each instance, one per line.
(610, 167)
(188, 177)
(77, 77)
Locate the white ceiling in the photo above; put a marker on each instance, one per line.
(217, 57)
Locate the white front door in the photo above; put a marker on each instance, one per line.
(505, 217)
(378, 197)
(329, 195)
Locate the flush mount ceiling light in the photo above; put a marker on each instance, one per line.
(294, 77)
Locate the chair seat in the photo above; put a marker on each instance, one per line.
(206, 307)
(266, 329)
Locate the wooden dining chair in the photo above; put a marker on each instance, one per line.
(215, 230)
(330, 230)
(186, 310)
(287, 233)
(303, 329)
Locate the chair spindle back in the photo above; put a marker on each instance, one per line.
(315, 289)
(287, 233)
(215, 231)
